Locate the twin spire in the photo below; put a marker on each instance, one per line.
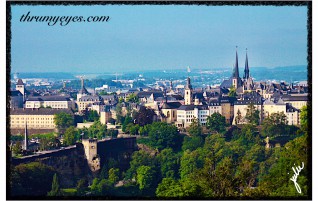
(236, 73)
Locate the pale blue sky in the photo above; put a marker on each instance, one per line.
(159, 37)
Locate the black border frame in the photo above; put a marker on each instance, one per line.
(201, 3)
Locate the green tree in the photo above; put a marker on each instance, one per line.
(145, 177)
(232, 92)
(275, 124)
(139, 158)
(70, 136)
(119, 117)
(17, 148)
(113, 175)
(169, 163)
(63, 120)
(169, 188)
(55, 187)
(92, 116)
(190, 162)
(97, 130)
(252, 114)
(163, 135)
(216, 122)
(133, 98)
(280, 172)
(304, 118)
(195, 128)
(127, 121)
(239, 117)
(192, 143)
(34, 179)
(81, 186)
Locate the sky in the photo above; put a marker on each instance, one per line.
(165, 37)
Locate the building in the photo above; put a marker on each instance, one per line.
(293, 115)
(273, 106)
(20, 87)
(296, 100)
(55, 102)
(223, 106)
(235, 80)
(242, 104)
(188, 99)
(83, 91)
(187, 113)
(169, 110)
(86, 101)
(16, 99)
(40, 118)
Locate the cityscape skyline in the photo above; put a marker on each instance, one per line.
(142, 38)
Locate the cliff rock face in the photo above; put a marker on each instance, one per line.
(76, 162)
(69, 162)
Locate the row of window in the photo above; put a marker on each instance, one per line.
(31, 118)
(31, 122)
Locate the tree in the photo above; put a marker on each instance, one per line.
(70, 136)
(97, 130)
(304, 119)
(195, 128)
(133, 98)
(17, 148)
(252, 114)
(163, 135)
(238, 118)
(139, 158)
(216, 122)
(190, 162)
(127, 121)
(81, 186)
(280, 171)
(55, 187)
(144, 116)
(169, 187)
(169, 163)
(113, 175)
(145, 177)
(232, 92)
(92, 116)
(274, 125)
(63, 120)
(34, 179)
(192, 143)
(119, 117)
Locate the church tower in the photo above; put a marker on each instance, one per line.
(236, 80)
(188, 93)
(246, 70)
(83, 91)
(20, 87)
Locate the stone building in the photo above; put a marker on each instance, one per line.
(55, 102)
(41, 119)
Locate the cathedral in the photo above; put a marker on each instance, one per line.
(241, 85)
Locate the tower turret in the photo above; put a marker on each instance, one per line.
(188, 93)
(246, 70)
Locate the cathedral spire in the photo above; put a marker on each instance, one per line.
(246, 70)
(236, 68)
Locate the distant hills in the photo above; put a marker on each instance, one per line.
(211, 76)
